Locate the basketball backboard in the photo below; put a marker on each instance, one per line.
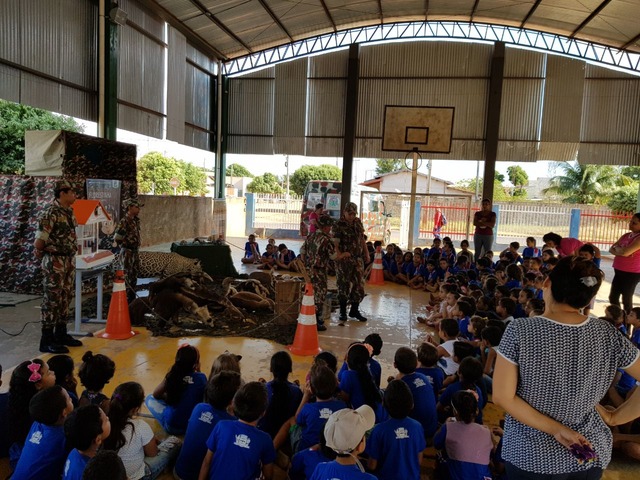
(421, 129)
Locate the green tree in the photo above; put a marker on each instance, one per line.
(236, 170)
(631, 172)
(578, 183)
(267, 183)
(624, 200)
(155, 171)
(195, 179)
(499, 192)
(14, 120)
(518, 177)
(302, 176)
(388, 165)
(500, 177)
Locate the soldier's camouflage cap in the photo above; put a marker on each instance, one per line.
(324, 221)
(64, 185)
(134, 202)
(351, 207)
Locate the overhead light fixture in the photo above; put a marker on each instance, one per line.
(118, 16)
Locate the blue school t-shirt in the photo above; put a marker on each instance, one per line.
(435, 375)
(350, 384)
(424, 402)
(194, 447)
(268, 423)
(335, 471)
(75, 465)
(447, 395)
(463, 326)
(304, 463)
(312, 418)
(468, 449)
(239, 448)
(530, 252)
(635, 337)
(395, 444)
(374, 368)
(247, 249)
(43, 454)
(177, 416)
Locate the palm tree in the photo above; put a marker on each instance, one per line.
(585, 183)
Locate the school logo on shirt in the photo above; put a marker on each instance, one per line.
(242, 441)
(418, 382)
(36, 437)
(325, 413)
(401, 433)
(188, 379)
(430, 380)
(206, 417)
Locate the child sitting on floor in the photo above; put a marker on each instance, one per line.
(86, 428)
(95, 372)
(428, 366)
(63, 366)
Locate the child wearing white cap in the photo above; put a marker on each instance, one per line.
(344, 434)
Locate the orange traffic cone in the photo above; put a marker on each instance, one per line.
(118, 322)
(305, 342)
(377, 277)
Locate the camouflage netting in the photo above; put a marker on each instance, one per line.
(24, 198)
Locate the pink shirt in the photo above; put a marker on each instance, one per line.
(568, 246)
(312, 226)
(632, 262)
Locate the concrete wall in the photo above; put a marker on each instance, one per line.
(170, 218)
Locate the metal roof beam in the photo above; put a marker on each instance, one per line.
(275, 19)
(220, 25)
(590, 17)
(328, 14)
(630, 42)
(473, 10)
(380, 12)
(530, 13)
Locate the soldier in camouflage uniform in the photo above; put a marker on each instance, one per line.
(348, 236)
(316, 251)
(127, 236)
(56, 245)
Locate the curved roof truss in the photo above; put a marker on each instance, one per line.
(439, 30)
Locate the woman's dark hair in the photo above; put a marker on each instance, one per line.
(398, 399)
(221, 388)
(127, 397)
(329, 358)
(187, 357)
(47, 405)
(575, 281)
(278, 409)
(465, 405)
(375, 340)
(250, 401)
(96, 371)
(552, 237)
(405, 360)
(21, 391)
(514, 271)
(358, 361)
(62, 366)
(83, 426)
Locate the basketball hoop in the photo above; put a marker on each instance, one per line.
(408, 160)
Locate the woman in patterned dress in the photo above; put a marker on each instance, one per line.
(550, 375)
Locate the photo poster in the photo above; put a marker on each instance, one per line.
(333, 201)
(108, 192)
(313, 199)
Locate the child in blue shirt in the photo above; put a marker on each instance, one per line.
(237, 445)
(531, 250)
(268, 259)
(424, 400)
(94, 373)
(85, 430)
(345, 435)
(375, 342)
(463, 311)
(173, 401)
(251, 251)
(304, 463)
(428, 366)
(357, 387)
(44, 450)
(395, 446)
(467, 445)
(63, 366)
(311, 417)
(219, 393)
(105, 465)
(469, 374)
(633, 320)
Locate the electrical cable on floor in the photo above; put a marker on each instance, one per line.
(20, 332)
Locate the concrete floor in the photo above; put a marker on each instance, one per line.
(391, 309)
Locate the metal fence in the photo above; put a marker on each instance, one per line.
(277, 211)
(516, 221)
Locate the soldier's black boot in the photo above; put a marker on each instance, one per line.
(48, 343)
(343, 311)
(63, 338)
(355, 313)
(320, 322)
